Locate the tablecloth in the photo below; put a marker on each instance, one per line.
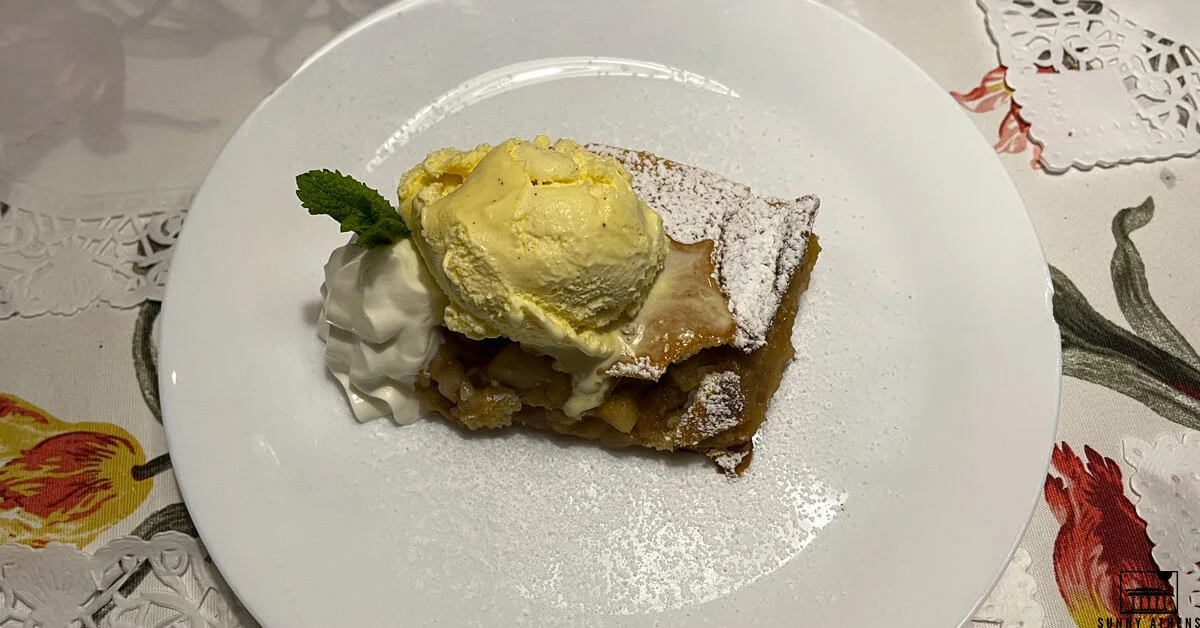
(110, 112)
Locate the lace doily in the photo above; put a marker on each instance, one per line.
(62, 265)
(165, 581)
(1099, 81)
(1012, 603)
(1167, 482)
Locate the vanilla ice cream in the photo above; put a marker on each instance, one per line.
(546, 245)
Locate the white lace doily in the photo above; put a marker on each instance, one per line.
(1103, 82)
(1012, 603)
(63, 265)
(1167, 482)
(130, 582)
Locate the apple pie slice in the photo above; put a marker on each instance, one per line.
(706, 351)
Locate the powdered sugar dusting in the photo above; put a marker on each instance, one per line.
(572, 534)
(760, 241)
(641, 368)
(728, 461)
(716, 406)
(693, 203)
(760, 249)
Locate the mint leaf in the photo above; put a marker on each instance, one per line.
(355, 206)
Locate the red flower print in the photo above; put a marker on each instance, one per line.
(1014, 136)
(65, 482)
(1102, 549)
(992, 93)
(65, 474)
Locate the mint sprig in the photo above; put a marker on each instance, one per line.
(353, 204)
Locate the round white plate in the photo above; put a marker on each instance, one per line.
(904, 451)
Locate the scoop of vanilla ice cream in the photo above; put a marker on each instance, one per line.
(545, 245)
(380, 318)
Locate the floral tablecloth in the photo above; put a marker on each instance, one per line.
(111, 110)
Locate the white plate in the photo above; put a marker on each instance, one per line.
(904, 452)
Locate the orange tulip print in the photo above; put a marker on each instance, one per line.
(66, 482)
(1102, 552)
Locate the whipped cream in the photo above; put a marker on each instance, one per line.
(381, 312)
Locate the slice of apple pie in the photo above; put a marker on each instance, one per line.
(704, 353)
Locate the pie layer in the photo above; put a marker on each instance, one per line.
(708, 348)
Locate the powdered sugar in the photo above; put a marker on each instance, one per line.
(760, 241)
(761, 246)
(641, 368)
(728, 461)
(693, 203)
(716, 406)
